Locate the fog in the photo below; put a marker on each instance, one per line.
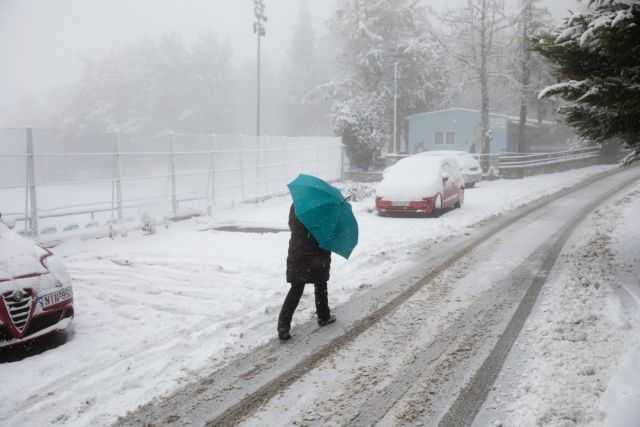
(39, 35)
(43, 42)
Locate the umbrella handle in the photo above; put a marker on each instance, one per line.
(347, 198)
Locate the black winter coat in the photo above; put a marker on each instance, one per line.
(307, 262)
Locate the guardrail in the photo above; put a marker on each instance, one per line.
(522, 164)
(517, 165)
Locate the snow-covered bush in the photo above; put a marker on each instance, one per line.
(148, 224)
(358, 191)
(49, 230)
(71, 227)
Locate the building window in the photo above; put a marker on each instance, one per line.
(448, 138)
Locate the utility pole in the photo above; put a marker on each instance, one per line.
(258, 28)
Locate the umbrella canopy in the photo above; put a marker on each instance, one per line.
(326, 214)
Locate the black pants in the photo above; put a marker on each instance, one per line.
(293, 298)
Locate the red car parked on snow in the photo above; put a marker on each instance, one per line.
(420, 185)
(36, 297)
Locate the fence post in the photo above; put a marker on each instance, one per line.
(285, 155)
(317, 156)
(242, 189)
(341, 162)
(32, 200)
(211, 181)
(172, 174)
(266, 164)
(258, 168)
(117, 178)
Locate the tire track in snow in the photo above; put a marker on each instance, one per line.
(473, 395)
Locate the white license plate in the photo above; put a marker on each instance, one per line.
(56, 297)
(401, 204)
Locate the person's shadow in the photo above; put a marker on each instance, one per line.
(35, 347)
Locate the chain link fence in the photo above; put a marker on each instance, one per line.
(51, 179)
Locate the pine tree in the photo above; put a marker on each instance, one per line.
(596, 56)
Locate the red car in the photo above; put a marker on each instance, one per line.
(36, 297)
(420, 185)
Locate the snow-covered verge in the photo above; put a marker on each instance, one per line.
(576, 361)
(152, 310)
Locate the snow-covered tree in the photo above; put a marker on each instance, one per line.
(376, 35)
(596, 57)
(360, 121)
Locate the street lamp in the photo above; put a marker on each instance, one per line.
(395, 106)
(258, 28)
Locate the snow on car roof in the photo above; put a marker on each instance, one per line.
(464, 158)
(412, 178)
(443, 153)
(410, 165)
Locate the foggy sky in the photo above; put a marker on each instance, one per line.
(41, 40)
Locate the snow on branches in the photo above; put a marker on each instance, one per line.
(596, 56)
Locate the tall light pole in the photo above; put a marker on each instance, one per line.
(395, 106)
(258, 28)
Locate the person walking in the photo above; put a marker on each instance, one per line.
(307, 262)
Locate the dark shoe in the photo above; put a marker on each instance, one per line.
(284, 335)
(325, 322)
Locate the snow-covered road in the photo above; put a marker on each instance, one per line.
(158, 311)
(429, 361)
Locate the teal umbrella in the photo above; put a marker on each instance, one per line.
(326, 214)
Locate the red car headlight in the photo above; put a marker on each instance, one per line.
(55, 266)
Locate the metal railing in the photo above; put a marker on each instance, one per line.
(46, 175)
(520, 160)
(520, 164)
(523, 164)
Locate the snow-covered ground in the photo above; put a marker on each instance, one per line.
(576, 360)
(153, 310)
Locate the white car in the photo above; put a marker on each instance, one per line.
(420, 185)
(469, 166)
(36, 297)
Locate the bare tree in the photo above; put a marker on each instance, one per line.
(472, 41)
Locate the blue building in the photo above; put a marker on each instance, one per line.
(459, 129)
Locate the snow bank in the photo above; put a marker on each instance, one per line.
(621, 401)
